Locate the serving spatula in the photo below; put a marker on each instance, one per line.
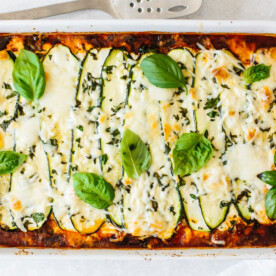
(126, 9)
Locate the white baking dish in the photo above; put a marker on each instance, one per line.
(267, 27)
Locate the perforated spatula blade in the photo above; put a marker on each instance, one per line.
(126, 9)
(155, 9)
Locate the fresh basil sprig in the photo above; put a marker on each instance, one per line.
(269, 177)
(93, 189)
(135, 155)
(192, 151)
(10, 161)
(28, 75)
(162, 71)
(256, 73)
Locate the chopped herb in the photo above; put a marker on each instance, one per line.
(213, 114)
(53, 142)
(7, 86)
(104, 158)
(90, 108)
(225, 86)
(80, 128)
(224, 204)
(171, 209)
(193, 196)
(4, 113)
(154, 205)
(115, 132)
(108, 69)
(13, 94)
(211, 103)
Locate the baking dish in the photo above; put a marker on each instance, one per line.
(136, 26)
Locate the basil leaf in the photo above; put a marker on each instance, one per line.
(93, 189)
(269, 177)
(28, 75)
(256, 73)
(135, 155)
(192, 151)
(10, 161)
(162, 71)
(270, 203)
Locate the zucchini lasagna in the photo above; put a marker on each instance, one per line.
(137, 140)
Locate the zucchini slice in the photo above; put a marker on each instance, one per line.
(192, 208)
(8, 108)
(29, 196)
(242, 196)
(178, 118)
(212, 181)
(249, 129)
(55, 107)
(152, 206)
(115, 76)
(86, 147)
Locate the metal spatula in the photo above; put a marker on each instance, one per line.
(128, 9)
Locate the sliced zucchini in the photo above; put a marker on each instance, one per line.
(192, 208)
(242, 195)
(29, 197)
(115, 76)
(61, 70)
(215, 196)
(177, 118)
(244, 121)
(86, 147)
(152, 206)
(8, 107)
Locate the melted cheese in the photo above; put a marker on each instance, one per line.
(61, 70)
(7, 109)
(77, 131)
(86, 151)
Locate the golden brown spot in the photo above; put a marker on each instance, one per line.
(272, 52)
(192, 91)
(102, 118)
(220, 73)
(4, 55)
(266, 97)
(205, 177)
(15, 44)
(250, 134)
(16, 205)
(231, 113)
(128, 181)
(167, 131)
(1, 141)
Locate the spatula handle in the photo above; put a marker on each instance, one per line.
(57, 9)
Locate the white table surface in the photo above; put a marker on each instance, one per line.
(211, 9)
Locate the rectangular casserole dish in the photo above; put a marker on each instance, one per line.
(141, 26)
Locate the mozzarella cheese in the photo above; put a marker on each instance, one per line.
(81, 119)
